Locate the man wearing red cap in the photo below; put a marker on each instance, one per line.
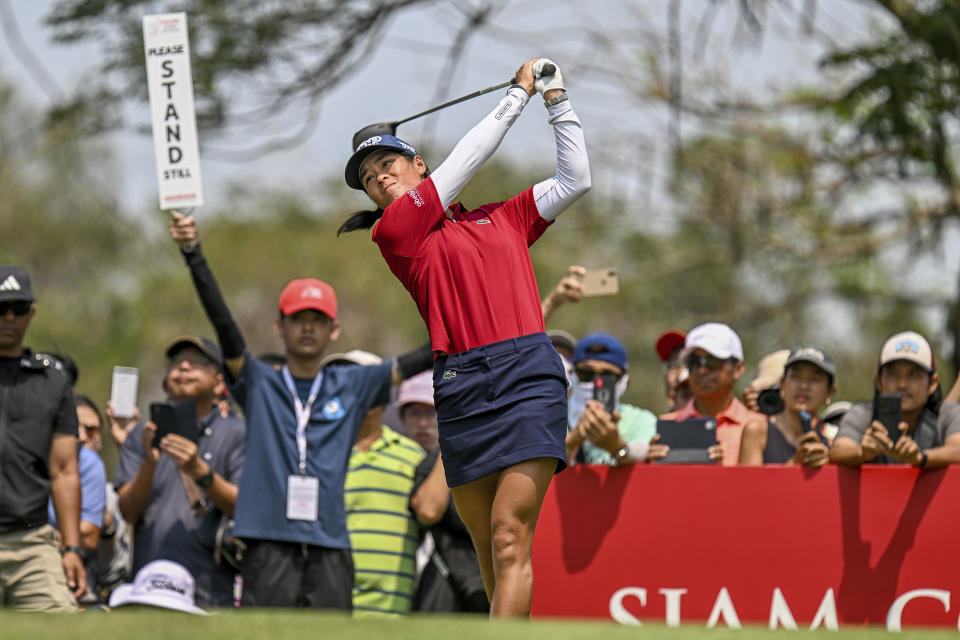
(669, 345)
(302, 422)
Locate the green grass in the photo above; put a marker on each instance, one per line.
(130, 624)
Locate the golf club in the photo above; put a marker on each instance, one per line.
(390, 128)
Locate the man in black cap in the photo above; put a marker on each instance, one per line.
(178, 499)
(38, 458)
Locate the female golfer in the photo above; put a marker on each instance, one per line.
(499, 385)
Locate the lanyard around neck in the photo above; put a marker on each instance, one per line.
(302, 411)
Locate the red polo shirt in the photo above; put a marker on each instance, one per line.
(730, 423)
(471, 274)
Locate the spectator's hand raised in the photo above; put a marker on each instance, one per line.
(906, 448)
(600, 427)
(570, 287)
(183, 229)
(657, 451)
(875, 441)
(183, 452)
(146, 439)
(811, 452)
(120, 428)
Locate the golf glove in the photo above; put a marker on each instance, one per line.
(548, 82)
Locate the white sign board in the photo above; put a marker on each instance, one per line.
(170, 84)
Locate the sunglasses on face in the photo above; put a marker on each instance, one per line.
(711, 363)
(586, 374)
(194, 359)
(19, 307)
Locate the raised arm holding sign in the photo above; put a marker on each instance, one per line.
(170, 85)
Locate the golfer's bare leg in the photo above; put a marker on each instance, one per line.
(516, 507)
(474, 502)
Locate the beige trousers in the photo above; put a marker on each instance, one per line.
(31, 574)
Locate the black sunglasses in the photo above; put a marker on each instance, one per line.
(19, 307)
(586, 374)
(711, 363)
(195, 359)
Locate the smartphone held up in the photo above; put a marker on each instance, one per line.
(123, 391)
(600, 282)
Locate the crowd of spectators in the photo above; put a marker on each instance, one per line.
(290, 490)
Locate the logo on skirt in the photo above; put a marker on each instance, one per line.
(449, 374)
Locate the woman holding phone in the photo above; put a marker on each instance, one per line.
(499, 385)
(789, 436)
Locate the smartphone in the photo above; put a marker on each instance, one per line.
(601, 282)
(689, 440)
(164, 415)
(886, 409)
(604, 391)
(806, 421)
(123, 391)
(179, 418)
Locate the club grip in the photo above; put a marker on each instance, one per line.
(548, 70)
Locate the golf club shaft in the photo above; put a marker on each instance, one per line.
(456, 101)
(547, 70)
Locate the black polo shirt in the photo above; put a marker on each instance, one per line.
(36, 401)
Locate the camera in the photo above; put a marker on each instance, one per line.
(769, 401)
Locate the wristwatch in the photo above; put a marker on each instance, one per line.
(622, 455)
(73, 549)
(205, 480)
(556, 99)
(923, 460)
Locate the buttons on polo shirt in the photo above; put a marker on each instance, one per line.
(207, 455)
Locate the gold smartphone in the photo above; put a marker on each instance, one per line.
(601, 282)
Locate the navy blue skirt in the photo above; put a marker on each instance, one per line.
(500, 404)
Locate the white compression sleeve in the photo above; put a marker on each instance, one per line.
(555, 194)
(477, 146)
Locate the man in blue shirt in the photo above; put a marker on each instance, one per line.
(302, 423)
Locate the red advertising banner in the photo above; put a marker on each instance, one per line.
(784, 546)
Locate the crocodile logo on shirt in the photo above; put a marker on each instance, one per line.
(483, 221)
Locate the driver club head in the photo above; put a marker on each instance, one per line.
(377, 129)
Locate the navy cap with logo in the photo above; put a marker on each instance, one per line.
(15, 284)
(206, 346)
(374, 143)
(815, 356)
(601, 346)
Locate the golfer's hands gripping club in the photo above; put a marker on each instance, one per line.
(526, 77)
(548, 78)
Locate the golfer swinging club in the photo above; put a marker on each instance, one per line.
(499, 385)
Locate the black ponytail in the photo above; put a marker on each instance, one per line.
(360, 220)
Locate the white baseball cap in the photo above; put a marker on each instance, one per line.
(419, 388)
(354, 356)
(909, 346)
(715, 338)
(161, 583)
